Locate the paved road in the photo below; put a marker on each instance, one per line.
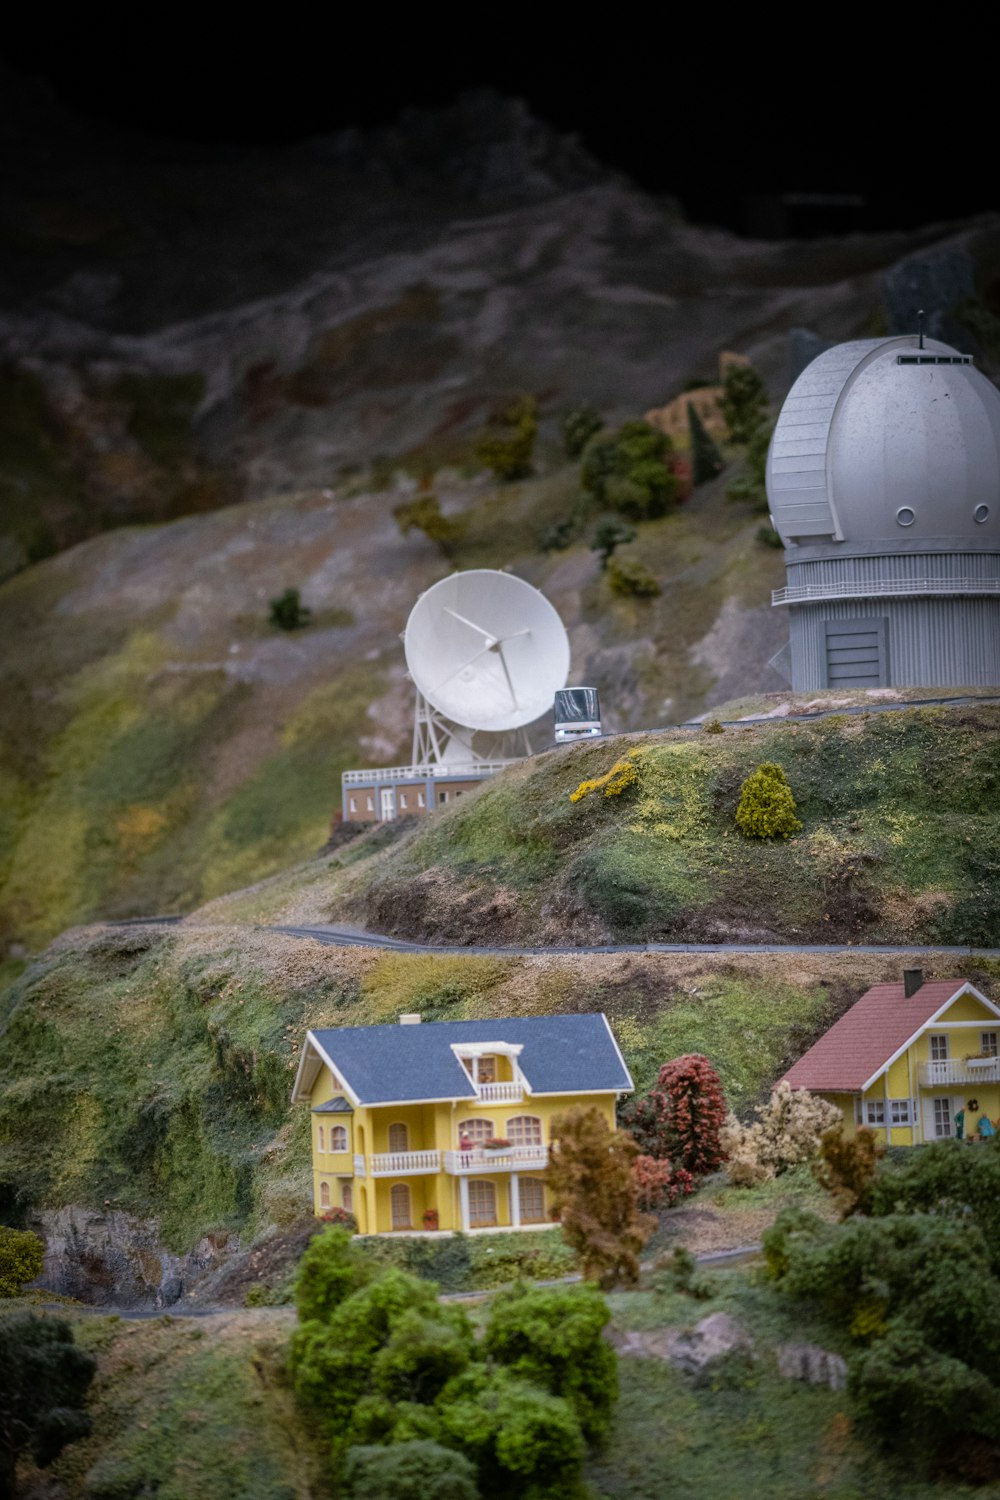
(357, 937)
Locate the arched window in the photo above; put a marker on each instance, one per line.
(338, 1137)
(476, 1131)
(399, 1203)
(347, 1197)
(324, 1195)
(322, 1138)
(482, 1204)
(524, 1130)
(532, 1200)
(399, 1138)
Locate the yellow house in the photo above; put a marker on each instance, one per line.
(446, 1125)
(915, 1061)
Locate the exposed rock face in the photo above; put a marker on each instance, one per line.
(813, 1365)
(114, 1260)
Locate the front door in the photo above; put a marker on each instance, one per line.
(387, 810)
(939, 1116)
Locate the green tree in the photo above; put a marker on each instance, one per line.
(288, 612)
(630, 578)
(508, 442)
(578, 426)
(523, 1441)
(948, 1180)
(44, 1379)
(628, 472)
(331, 1269)
(846, 1167)
(767, 808)
(21, 1257)
(751, 485)
(553, 1337)
(417, 1470)
(608, 536)
(593, 1189)
(744, 402)
(706, 460)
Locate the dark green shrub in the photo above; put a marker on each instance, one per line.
(751, 485)
(744, 402)
(21, 1256)
(508, 442)
(768, 537)
(628, 472)
(631, 579)
(332, 1268)
(288, 612)
(917, 1400)
(421, 1355)
(523, 1441)
(767, 808)
(947, 1179)
(706, 460)
(553, 1337)
(712, 726)
(44, 1379)
(578, 426)
(409, 1471)
(608, 536)
(677, 1271)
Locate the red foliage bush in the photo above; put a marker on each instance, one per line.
(659, 1184)
(339, 1215)
(680, 1119)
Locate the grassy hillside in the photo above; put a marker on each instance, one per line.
(900, 842)
(156, 1064)
(163, 744)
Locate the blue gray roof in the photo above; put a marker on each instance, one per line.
(338, 1106)
(389, 1064)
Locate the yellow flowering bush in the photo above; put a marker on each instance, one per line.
(622, 775)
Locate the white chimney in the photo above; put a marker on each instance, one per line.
(413, 1019)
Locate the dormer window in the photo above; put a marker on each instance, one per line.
(487, 1070)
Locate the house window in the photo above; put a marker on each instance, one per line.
(370, 803)
(988, 1043)
(482, 1204)
(324, 1195)
(939, 1047)
(532, 1199)
(353, 804)
(347, 1197)
(322, 1137)
(942, 1117)
(524, 1130)
(338, 1137)
(399, 1138)
(420, 800)
(442, 797)
(487, 1070)
(399, 1203)
(476, 1131)
(875, 1112)
(402, 799)
(899, 1112)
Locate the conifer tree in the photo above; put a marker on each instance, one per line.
(706, 460)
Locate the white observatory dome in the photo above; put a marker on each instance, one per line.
(886, 445)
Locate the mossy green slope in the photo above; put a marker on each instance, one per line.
(900, 842)
(149, 1069)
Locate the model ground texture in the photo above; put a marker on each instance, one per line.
(900, 841)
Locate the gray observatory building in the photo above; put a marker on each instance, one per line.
(883, 481)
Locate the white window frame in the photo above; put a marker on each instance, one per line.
(402, 799)
(943, 1116)
(338, 1137)
(353, 804)
(370, 804)
(988, 1043)
(875, 1114)
(477, 1130)
(900, 1112)
(524, 1130)
(940, 1050)
(321, 1135)
(421, 800)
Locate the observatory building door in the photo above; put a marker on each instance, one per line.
(857, 653)
(387, 804)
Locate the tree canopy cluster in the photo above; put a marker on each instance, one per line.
(409, 1402)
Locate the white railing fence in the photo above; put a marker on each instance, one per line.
(399, 1163)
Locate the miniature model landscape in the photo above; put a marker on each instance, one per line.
(274, 1086)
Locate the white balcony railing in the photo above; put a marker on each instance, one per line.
(404, 1163)
(508, 1159)
(878, 588)
(501, 1093)
(359, 1166)
(960, 1070)
(438, 771)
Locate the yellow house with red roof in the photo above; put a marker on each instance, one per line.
(916, 1061)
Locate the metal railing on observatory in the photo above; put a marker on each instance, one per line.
(877, 588)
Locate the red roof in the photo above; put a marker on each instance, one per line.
(874, 1029)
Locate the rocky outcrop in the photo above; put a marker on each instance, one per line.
(111, 1259)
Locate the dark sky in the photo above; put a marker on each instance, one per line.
(732, 133)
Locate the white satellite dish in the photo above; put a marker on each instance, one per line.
(486, 650)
